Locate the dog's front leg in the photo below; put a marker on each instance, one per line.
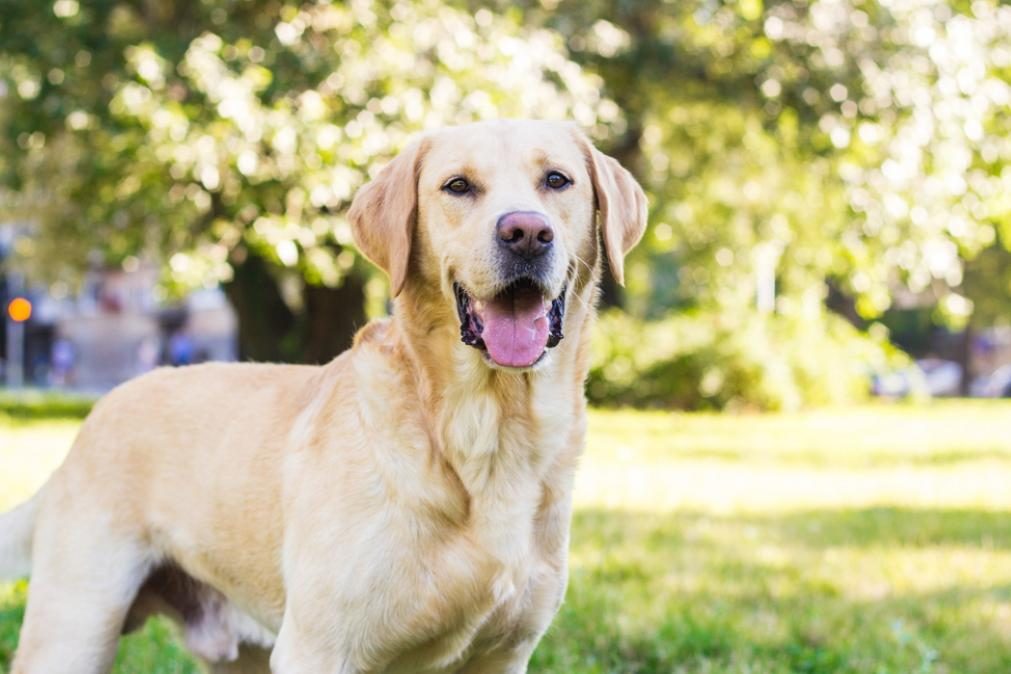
(304, 652)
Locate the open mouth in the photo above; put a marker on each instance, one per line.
(514, 328)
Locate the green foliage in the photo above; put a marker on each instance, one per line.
(853, 142)
(713, 360)
(192, 132)
(987, 285)
(223, 140)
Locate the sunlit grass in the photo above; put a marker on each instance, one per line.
(29, 451)
(874, 540)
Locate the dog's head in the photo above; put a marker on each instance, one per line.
(499, 219)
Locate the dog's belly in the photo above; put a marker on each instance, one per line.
(213, 626)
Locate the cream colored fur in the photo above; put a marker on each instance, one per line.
(402, 509)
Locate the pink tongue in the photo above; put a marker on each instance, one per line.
(515, 328)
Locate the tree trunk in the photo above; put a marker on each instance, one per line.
(965, 359)
(332, 316)
(270, 331)
(265, 321)
(840, 302)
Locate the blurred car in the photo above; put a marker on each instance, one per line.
(997, 384)
(929, 376)
(943, 377)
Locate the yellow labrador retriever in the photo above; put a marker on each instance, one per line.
(404, 508)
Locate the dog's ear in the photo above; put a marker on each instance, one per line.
(622, 206)
(384, 212)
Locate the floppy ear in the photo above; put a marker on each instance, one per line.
(384, 212)
(622, 206)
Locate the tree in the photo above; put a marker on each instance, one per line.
(225, 138)
(863, 144)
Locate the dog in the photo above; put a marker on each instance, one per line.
(404, 508)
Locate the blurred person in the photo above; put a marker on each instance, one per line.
(147, 354)
(64, 358)
(180, 349)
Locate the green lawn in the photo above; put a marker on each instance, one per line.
(873, 541)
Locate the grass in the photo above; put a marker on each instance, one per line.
(875, 540)
(41, 404)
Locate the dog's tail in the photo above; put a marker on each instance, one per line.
(16, 530)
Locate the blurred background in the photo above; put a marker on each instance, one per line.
(830, 222)
(830, 192)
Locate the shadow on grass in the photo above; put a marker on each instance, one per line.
(892, 526)
(816, 528)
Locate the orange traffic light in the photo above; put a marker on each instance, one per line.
(19, 309)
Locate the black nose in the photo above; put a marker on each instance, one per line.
(525, 233)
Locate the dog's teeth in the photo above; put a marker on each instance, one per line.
(478, 305)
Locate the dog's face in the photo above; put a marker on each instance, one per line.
(500, 218)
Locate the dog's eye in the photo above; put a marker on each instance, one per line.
(556, 180)
(457, 186)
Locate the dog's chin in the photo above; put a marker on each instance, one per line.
(515, 328)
